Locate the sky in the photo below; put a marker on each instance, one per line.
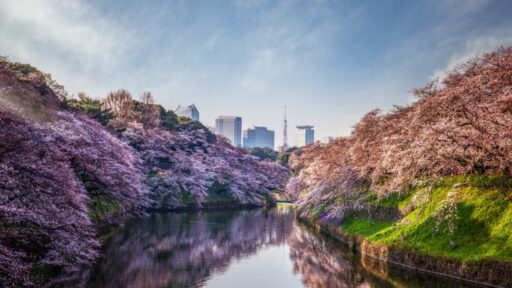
(329, 61)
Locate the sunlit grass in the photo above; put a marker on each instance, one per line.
(483, 221)
(364, 227)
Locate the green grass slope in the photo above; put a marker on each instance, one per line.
(465, 218)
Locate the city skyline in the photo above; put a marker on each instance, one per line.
(255, 135)
(260, 136)
(329, 61)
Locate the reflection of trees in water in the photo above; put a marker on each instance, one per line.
(320, 266)
(327, 263)
(183, 250)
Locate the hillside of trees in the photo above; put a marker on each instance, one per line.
(442, 163)
(69, 167)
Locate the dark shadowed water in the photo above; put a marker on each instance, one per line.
(244, 248)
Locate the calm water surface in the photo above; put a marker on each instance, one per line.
(245, 248)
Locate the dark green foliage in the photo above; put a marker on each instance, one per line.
(91, 107)
(168, 119)
(283, 158)
(219, 193)
(263, 153)
(102, 208)
(184, 120)
(391, 200)
(152, 174)
(187, 198)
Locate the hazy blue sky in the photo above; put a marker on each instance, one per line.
(329, 61)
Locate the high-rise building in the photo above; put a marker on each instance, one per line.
(231, 128)
(189, 111)
(258, 137)
(305, 135)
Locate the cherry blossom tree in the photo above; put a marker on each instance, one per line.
(43, 207)
(458, 126)
(64, 174)
(184, 167)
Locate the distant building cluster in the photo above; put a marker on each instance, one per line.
(258, 136)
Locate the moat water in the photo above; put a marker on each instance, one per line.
(241, 248)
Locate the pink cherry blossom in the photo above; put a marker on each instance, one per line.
(458, 126)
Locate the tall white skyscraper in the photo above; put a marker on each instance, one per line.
(231, 128)
(189, 111)
(304, 135)
(258, 137)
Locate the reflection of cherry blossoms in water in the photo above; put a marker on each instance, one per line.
(320, 266)
(327, 263)
(192, 249)
(185, 249)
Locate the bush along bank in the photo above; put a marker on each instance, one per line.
(428, 183)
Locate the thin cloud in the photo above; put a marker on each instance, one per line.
(66, 38)
(475, 47)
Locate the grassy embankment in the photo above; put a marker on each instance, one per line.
(479, 228)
